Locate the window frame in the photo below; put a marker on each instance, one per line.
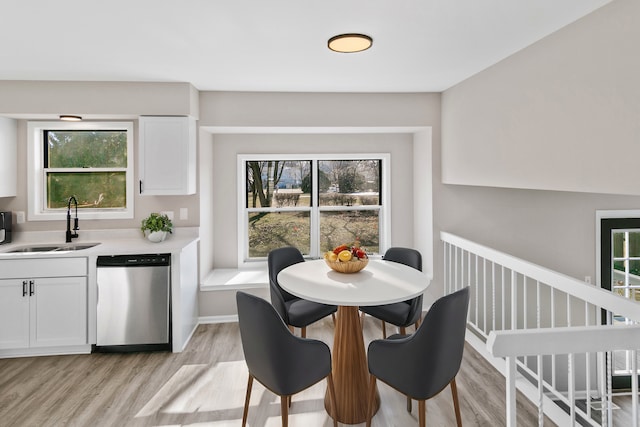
(384, 207)
(36, 179)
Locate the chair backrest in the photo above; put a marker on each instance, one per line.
(406, 256)
(441, 339)
(431, 357)
(412, 258)
(277, 260)
(272, 353)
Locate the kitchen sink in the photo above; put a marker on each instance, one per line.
(50, 248)
(34, 249)
(76, 247)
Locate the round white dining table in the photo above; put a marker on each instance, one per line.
(381, 282)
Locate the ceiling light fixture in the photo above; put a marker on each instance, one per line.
(350, 43)
(68, 118)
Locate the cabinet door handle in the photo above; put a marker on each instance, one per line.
(140, 186)
(31, 288)
(24, 288)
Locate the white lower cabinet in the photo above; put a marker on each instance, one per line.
(43, 311)
(14, 315)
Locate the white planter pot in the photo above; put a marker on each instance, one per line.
(156, 236)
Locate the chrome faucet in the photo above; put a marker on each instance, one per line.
(71, 235)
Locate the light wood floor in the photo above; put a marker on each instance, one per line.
(205, 386)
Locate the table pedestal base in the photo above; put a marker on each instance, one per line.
(350, 372)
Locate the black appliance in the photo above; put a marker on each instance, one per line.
(5, 227)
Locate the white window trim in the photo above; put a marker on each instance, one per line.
(36, 177)
(385, 212)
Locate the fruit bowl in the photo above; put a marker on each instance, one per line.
(352, 266)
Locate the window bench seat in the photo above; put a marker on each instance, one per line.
(225, 279)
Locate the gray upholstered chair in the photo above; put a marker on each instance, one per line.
(282, 362)
(296, 312)
(421, 365)
(405, 313)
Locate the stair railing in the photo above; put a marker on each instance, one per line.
(543, 330)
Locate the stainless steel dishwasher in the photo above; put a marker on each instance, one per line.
(134, 294)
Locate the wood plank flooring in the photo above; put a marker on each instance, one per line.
(205, 386)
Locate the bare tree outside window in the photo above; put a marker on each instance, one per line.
(280, 199)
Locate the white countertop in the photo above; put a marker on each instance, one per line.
(110, 242)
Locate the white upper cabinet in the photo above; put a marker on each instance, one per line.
(167, 156)
(8, 157)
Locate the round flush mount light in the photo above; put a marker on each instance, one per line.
(68, 118)
(350, 43)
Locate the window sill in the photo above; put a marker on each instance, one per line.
(226, 279)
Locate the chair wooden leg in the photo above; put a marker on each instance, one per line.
(409, 404)
(403, 330)
(417, 324)
(292, 329)
(422, 413)
(333, 317)
(332, 396)
(284, 408)
(289, 399)
(456, 403)
(303, 332)
(384, 330)
(372, 399)
(246, 401)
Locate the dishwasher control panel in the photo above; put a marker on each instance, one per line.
(134, 260)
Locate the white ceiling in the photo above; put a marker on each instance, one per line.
(272, 45)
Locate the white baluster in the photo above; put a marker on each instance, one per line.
(511, 391)
(493, 296)
(634, 387)
(572, 387)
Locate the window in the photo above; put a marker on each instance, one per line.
(312, 202)
(91, 161)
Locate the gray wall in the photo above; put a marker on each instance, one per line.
(225, 191)
(559, 115)
(40, 100)
(552, 228)
(404, 125)
(143, 205)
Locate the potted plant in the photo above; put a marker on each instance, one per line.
(156, 226)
